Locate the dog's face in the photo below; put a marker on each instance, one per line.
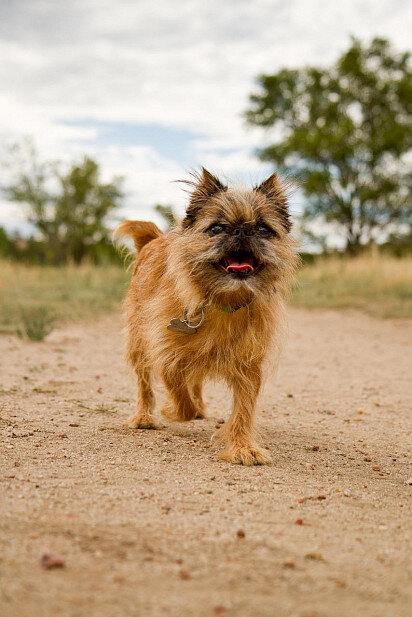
(235, 241)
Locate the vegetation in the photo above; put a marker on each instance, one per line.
(67, 207)
(344, 131)
(167, 213)
(380, 285)
(71, 293)
(37, 323)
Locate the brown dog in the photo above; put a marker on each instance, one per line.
(207, 300)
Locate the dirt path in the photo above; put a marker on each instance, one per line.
(150, 523)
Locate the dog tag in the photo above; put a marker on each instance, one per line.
(180, 326)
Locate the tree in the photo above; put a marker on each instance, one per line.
(167, 213)
(6, 244)
(344, 131)
(68, 207)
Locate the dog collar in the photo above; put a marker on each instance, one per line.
(230, 308)
(177, 325)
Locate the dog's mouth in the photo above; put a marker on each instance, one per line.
(240, 264)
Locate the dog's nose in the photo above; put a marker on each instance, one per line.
(241, 232)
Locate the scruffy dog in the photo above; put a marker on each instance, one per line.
(207, 300)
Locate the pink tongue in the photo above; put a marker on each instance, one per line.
(236, 266)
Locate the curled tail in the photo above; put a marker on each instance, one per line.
(142, 232)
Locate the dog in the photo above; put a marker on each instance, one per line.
(206, 300)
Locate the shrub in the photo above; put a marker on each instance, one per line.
(37, 323)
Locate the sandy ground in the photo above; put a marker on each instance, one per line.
(152, 523)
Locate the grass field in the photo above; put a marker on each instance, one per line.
(70, 293)
(381, 286)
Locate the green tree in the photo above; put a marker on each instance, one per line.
(167, 213)
(67, 206)
(5, 243)
(344, 131)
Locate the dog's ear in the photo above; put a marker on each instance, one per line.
(205, 185)
(275, 193)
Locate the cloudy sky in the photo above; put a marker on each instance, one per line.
(152, 88)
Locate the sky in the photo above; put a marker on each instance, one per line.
(152, 89)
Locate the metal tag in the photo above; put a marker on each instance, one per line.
(181, 326)
(176, 325)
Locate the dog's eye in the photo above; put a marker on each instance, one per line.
(265, 231)
(216, 229)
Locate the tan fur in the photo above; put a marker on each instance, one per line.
(173, 273)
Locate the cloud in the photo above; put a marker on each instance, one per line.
(178, 73)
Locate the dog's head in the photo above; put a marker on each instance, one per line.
(235, 242)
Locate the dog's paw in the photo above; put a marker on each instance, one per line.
(173, 414)
(169, 412)
(142, 422)
(245, 455)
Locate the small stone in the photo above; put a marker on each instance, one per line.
(184, 574)
(315, 448)
(220, 610)
(220, 421)
(50, 560)
(320, 497)
(240, 533)
(338, 582)
(289, 563)
(314, 556)
(74, 424)
(376, 468)
(299, 521)
(367, 459)
(409, 481)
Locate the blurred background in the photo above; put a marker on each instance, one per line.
(105, 104)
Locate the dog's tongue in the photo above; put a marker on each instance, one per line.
(239, 265)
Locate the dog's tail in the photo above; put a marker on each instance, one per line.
(142, 232)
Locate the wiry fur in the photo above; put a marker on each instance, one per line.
(174, 272)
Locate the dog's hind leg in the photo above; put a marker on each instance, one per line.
(143, 418)
(181, 407)
(198, 400)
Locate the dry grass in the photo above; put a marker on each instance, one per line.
(377, 284)
(380, 285)
(71, 293)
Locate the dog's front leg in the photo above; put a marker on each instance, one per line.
(143, 418)
(238, 433)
